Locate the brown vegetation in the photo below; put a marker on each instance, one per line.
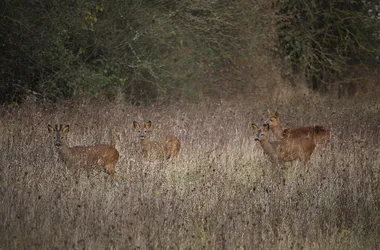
(219, 193)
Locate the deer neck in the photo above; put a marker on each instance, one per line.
(271, 149)
(267, 146)
(277, 131)
(64, 152)
(145, 145)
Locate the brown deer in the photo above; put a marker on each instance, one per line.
(103, 156)
(166, 149)
(287, 149)
(319, 134)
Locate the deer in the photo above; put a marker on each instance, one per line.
(286, 149)
(167, 149)
(104, 157)
(319, 134)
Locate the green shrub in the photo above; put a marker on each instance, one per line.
(148, 49)
(322, 39)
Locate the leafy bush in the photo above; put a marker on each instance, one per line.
(147, 49)
(322, 39)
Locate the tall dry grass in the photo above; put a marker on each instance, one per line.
(219, 194)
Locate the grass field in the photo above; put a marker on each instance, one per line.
(219, 194)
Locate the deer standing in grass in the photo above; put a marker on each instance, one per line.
(166, 149)
(287, 149)
(103, 156)
(319, 134)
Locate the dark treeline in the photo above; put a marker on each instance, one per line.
(153, 49)
(325, 39)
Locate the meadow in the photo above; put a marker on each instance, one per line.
(219, 194)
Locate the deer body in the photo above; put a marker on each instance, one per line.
(103, 156)
(319, 134)
(167, 149)
(285, 150)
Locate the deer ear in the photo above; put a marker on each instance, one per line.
(65, 130)
(275, 114)
(136, 125)
(50, 129)
(148, 125)
(266, 127)
(255, 128)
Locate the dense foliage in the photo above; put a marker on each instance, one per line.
(159, 49)
(322, 39)
(146, 49)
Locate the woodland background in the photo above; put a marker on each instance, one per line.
(154, 50)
